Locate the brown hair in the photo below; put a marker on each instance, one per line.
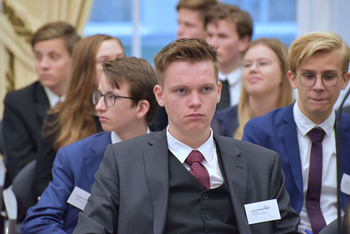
(241, 18)
(201, 6)
(57, 30)
(184, 49)
(245, 113)
(76, 113)
(305, 46)
(140, 76)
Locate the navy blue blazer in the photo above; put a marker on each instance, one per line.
(225, 122)
(277, 131)
(74, 165)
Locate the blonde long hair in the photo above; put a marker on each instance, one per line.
(75, 115)
(245, 112)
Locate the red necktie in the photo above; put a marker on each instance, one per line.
(194, 160)
(315, 181)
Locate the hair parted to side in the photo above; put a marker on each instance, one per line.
(241, 18)
(201, 6)
(187, 50)
(245, 112)
(76, 113)
(140, 76)
(55, 30)
(307, 45)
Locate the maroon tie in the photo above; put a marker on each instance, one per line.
(315, 181)
(194, 160)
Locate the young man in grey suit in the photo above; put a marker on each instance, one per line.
(25, 109)
(185, 179)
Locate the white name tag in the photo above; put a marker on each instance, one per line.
(264, 211)
(78, 198)
(345, 184)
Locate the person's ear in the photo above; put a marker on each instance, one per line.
(292, 79)
(158, 92)
(219, 92)
(142, 109)
(243, 43)
(346, 78)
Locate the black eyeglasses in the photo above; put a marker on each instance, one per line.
(329, 79)
(109, 98)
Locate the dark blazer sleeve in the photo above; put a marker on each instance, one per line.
(23, 115)
(44, 160)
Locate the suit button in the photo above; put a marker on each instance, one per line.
(206, 217)
(205, 196)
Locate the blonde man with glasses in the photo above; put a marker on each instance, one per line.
(303, 133)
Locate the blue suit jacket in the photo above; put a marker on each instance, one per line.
(277, 131)
(75, 165)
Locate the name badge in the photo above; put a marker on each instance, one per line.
(345, 184)
(264, 211)
(78, 198)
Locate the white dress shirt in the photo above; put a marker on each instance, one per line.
(235, 81)
(328, 199)
(208, 149)
(53, 98)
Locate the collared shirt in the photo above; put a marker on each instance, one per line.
(235, 80)
(328, 199)
(208, 150)
(115, 138)
(53, 98)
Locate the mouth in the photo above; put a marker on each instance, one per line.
(254, 79)
(102, 118)
(195, 116)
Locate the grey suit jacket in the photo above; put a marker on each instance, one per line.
(130, 194)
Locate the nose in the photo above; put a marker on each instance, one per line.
(195, 100)
(180, 31)
(318, 83)
(100, 106)
(213, 41)
(44, 62)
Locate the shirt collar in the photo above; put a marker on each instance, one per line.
(232, 77)
(53, 98)
(181, 150)
(304, 124)
(115, 138)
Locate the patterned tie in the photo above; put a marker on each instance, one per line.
(315, 181)
(199, 171)
(225, 96)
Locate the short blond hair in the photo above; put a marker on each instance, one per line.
(305, 46)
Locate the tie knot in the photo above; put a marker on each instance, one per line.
(194, 156)
(316, 135)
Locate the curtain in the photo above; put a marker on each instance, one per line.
(18, 20)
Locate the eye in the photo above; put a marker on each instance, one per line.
(247, 64)
(38, 56)
(54, 56)
(263, 63)
(329, 76)
(180, 91)
(308, 76)
(110, 97)
(207, 89)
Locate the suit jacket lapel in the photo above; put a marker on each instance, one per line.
(290, 141)
(345, 152)
(235, 172)
(157, 175)
(95, 153)
(41, 101)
